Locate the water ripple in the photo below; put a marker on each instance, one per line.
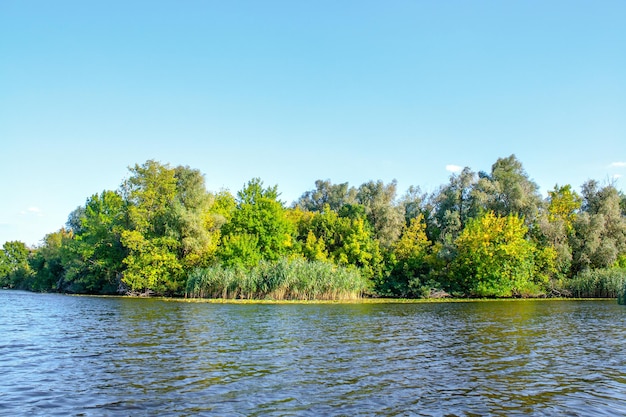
(87, 356)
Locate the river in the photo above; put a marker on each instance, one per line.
(95, 356)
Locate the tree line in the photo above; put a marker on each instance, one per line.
(485, 234)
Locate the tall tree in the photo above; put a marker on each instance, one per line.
(14, 267)
(411, 255)
(383, 214)
(494, 258)
(599, 238)
(170, 228)
(509, 190)
(259, 225)
(95, 254)
(455, 205)
(49, 262)
(326, 193)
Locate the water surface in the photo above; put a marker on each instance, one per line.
(89, 356)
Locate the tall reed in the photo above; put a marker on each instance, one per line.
(598, 283)
(285, 279)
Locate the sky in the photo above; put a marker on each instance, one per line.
(295, 91)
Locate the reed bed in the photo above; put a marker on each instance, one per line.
(285, 279)
(598, 283)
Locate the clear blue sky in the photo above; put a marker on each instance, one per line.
(294, 91)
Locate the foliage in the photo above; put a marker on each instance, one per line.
(261, 218)
(95, 253)
(508, 190)
(494, 257)
(599, 236)
(411, 268)
(49, 263)
(171, 228)
(602, 283)
(481, 234)
(14, 266)
(283, 279)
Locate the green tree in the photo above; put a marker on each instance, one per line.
(508, 190)
(326, 193)
(170, 226)
(411, 253)
(95, 254)
(259, 224)
(555, 231)
(494, 258)
(14, 266)
(599, 238)
(454, 206)
(345, 241)
(49, 262)
(382, 213)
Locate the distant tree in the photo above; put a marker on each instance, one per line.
(563, 206)
(508, 190)
(14, 267)
(555, 231)
(415, 202)
(49, 261)
(344, 240)
(326, 193)
(383, 214)
(455, 205)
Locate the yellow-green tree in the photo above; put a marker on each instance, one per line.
(494, 258)
(258, 228)
(170, 229)
(411, 266)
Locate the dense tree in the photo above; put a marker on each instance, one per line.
(599, 238)
(259, 227)
(95, 263)
(411, 267)
(14, 267)
(494, 257)
(49, 262)
(508, 190)
(454, 205)
(415, 202)
(170, 229)
(383, 214)
(345, 240)
(326, 193)
(556, 229)
(485, 234)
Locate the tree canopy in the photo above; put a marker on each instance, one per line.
(485, 234)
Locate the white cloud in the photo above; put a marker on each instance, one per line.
(618, 165)
(454, 168)
(617, 176)
(35, 211)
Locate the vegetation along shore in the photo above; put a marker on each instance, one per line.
(485, 234)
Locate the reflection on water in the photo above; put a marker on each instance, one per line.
(85, 356)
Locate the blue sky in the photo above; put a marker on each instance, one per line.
(293, 91)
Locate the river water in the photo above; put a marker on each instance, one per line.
(89, 356)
